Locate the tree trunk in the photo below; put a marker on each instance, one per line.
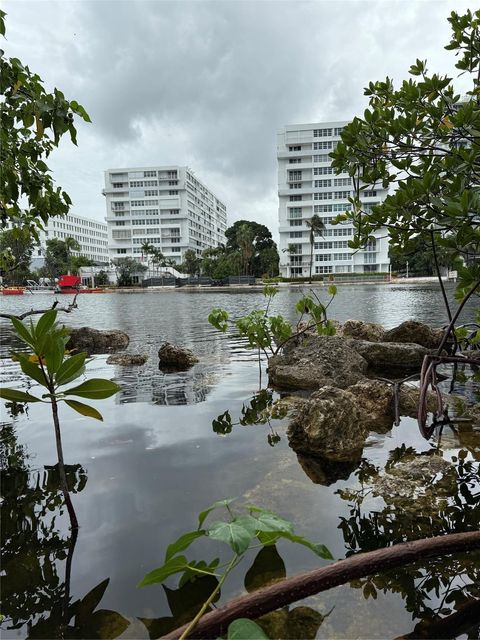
(280, 594)
(61, 466)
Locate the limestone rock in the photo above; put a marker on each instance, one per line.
(326, 472)
(127, 359)
(95, 341)
(362, 331)
(175, 357)
(316, 361)
(330, 424)
(390, 356)
(416, 332)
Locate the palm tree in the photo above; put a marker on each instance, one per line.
(148, 249)
(316, 226)
(245, 237)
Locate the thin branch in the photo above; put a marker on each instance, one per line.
(34, 312)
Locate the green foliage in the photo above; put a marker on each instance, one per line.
(128, 270)
(245, 629)
(101, 278)
(254, 243)
(32, 123)
(191, 263)
(422, 139)
(251, 527)
(48, 363)
(16, 248)
(268, 332)
(58, 257)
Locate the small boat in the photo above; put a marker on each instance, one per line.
(72, 285)
(13, 291)
(34, 287)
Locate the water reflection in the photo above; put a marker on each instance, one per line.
(417, 496)
(262, 409)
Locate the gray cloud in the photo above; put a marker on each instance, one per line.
(209, 83)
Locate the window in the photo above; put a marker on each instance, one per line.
(296, 223)
(337, 131)
(173, 193)
(295, 185)
(295, 148)
(342, 182)
(342, 256)
(136, 183)
(371, 245)
(322, 196)
(342, 194)
(295, 198)
(342, 207)
(322, 158)
(121, 251)
(323, 245)
(321, 133)
(295, 175)
(294, 161)
(323, 145)
(369, 194)
(322, 208)
(118, 185)
(295, 212)
(149, 174)
(323, 183)
(323, 257)
(324, 269)
(322, 171)
(120, 224)
(296, 234)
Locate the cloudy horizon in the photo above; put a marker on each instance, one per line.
(208, 84)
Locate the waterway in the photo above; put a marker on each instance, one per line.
(140, 478)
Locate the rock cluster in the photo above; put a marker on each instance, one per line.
(127, 359)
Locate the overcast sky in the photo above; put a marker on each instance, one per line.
(208, 84)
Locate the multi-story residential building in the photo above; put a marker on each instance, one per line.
(167, 207)
(308, 185)
(89, 233)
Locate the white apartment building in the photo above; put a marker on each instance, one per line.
(307, 185)
(165, 206)
(89, 233)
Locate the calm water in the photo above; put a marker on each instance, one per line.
(140, 478)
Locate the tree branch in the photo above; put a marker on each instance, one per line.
(34, 312)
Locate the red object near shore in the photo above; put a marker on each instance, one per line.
(12, 291)
(71, 284)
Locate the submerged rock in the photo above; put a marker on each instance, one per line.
(174, 357)
(330, 424)
(127, 359)
(300, 623)
(316, 361)
(411, 331)
(326, 472)
(95, 341)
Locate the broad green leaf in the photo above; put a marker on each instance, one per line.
(71, 368)
(84, 409)
(271, 523)
(95, 389)
(46, 322)
(219, 503)
(174, 565)
(245, 629)
(319, 549)
(182, 543)
(17, 396)
(332, 290)
(22, 331)
(237, 534)
(54, 351)
(32, 370)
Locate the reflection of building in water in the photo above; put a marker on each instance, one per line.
(157, 386)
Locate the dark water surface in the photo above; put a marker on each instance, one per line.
(140, 477)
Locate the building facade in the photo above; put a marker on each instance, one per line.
(167, 207)
(308, 185)
(89, 233)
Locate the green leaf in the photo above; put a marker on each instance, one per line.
(71, 368)
(46, 322)
(54, 351)
(182, 543)
(245, 629)
(31, 370)
(84, 409)
(174, 565)
(17, 396)
(332, 290)
(319, 549)
(216, 505)
(22, 331)
(237, 534)
(271, 523)
(95, 389)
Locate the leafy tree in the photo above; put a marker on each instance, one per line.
(16, 247)
(219, 263)
(127, 269)
(191, 263)
(58, 257)
(421, 259)
(76, 262)
(422, 139)
(102, 278)
(316, 227)
(32, 122)
(256, 246)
